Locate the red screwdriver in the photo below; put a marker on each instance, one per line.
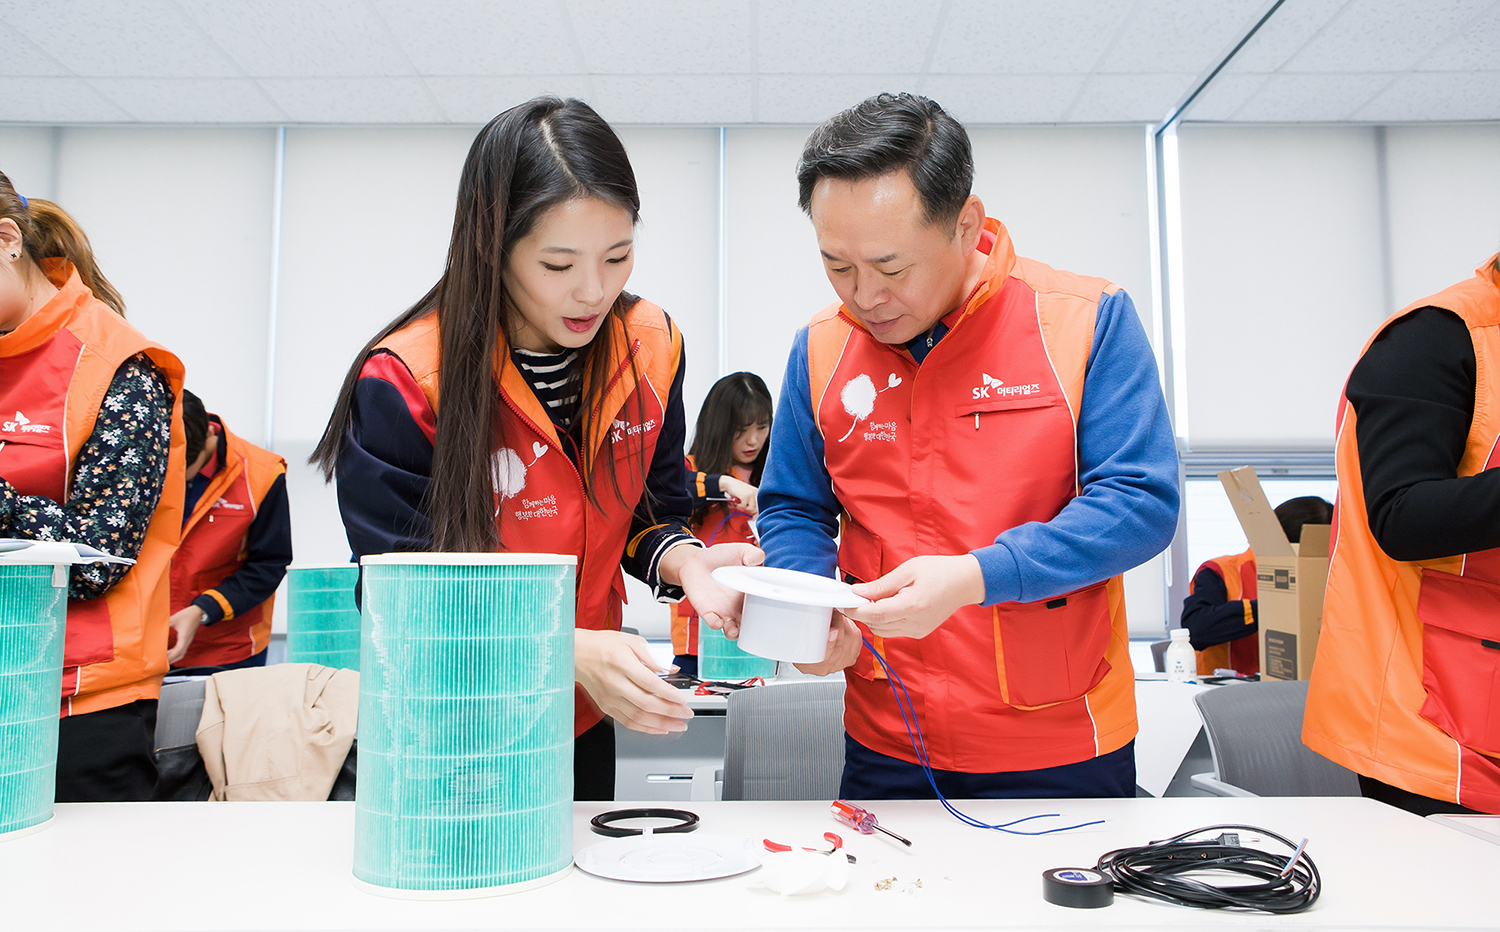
(861, 819)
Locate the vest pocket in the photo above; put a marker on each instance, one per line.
(1461, 658)
(1052, 651)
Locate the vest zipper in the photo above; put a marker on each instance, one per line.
(576, 474)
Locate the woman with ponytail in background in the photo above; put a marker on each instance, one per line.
(561, 425)
(91, 451)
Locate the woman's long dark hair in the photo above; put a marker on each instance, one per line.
(736, 401)
(525, 161)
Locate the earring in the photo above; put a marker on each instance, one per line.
(15, 255)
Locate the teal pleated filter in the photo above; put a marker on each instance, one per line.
(719, 658)
(33, 610)
(322, 621)
(465, 723)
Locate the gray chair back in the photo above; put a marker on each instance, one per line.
(785, 741)
(177, 713)
(1255, 734)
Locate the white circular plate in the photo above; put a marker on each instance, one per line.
(668, 858)
(790, 586)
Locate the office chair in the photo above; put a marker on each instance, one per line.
(782, 741)
(1255, 735)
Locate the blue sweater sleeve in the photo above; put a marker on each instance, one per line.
(1127, 462)
(799, 514)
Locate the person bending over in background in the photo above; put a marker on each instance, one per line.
(91, 451)
(236, 544)
(724, 468)
(987, 437)
(1405, 690)
(1221, 613)
(530, 330)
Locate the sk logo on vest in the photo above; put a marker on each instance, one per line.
(22, 424)
(992, 387)
(226, 503)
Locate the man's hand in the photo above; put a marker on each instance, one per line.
(920, 594)
(743, 493)
(184, 624)
(844, 645)
(691, 568)
(619, 674)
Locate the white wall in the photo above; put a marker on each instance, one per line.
(1444, 184)
(1281, 260)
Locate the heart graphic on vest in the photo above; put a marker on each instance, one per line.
(858, 396)
(508, 473)
(537, 448)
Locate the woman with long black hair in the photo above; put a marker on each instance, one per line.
(527, 403)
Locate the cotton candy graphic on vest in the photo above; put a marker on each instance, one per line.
(858, 396)
(508, 472)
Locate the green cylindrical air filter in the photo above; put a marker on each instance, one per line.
(322, 622)
(722, 659)
(33, 610)
(465, 723)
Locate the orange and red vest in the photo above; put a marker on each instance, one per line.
(541, 506)
(939, 459)
(722, 523)
(1241, 654)
(1406, 684)
(54, 372)
(213, 549)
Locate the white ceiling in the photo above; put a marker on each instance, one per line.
(743, 61)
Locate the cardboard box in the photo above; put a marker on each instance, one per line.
(1289, 578)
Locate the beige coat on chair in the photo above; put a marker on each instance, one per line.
(279, 732)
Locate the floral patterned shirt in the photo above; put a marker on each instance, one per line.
(117, 481)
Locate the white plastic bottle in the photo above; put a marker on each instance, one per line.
(1180, 661)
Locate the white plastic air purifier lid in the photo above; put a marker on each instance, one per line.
(54, 552)
(472, 559)
(792, 586)
(668, 858)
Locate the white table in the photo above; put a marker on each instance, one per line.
(284, 866)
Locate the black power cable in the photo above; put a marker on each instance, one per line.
(1179, 870)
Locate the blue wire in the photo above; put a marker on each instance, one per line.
(919, 745)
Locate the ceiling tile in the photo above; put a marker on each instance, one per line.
(1126, 98)
(845, 36)
(664, 37)
(1224, 96)
(190, 100)
(1382, 35)
(1178, 35)
(686, 98)
(353, 100)
(478, 100)
(483, 37)
(56, 100)
(1283, 34)
(1432, 97)
(296, 39)
(1027, 36)
(1476, 47)
(100, 38)
(23, 57)
(1026, 98)
(1311, 98)
(804, 98)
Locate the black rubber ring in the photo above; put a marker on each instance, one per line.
(601, 822)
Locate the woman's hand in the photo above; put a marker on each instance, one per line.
(183, 625)
(620, 675)
(743, 493)
(690, 568)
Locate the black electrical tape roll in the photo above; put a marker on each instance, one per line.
(601, 823)
(1078, 887)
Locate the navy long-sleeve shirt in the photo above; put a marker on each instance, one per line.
(1127, 463)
